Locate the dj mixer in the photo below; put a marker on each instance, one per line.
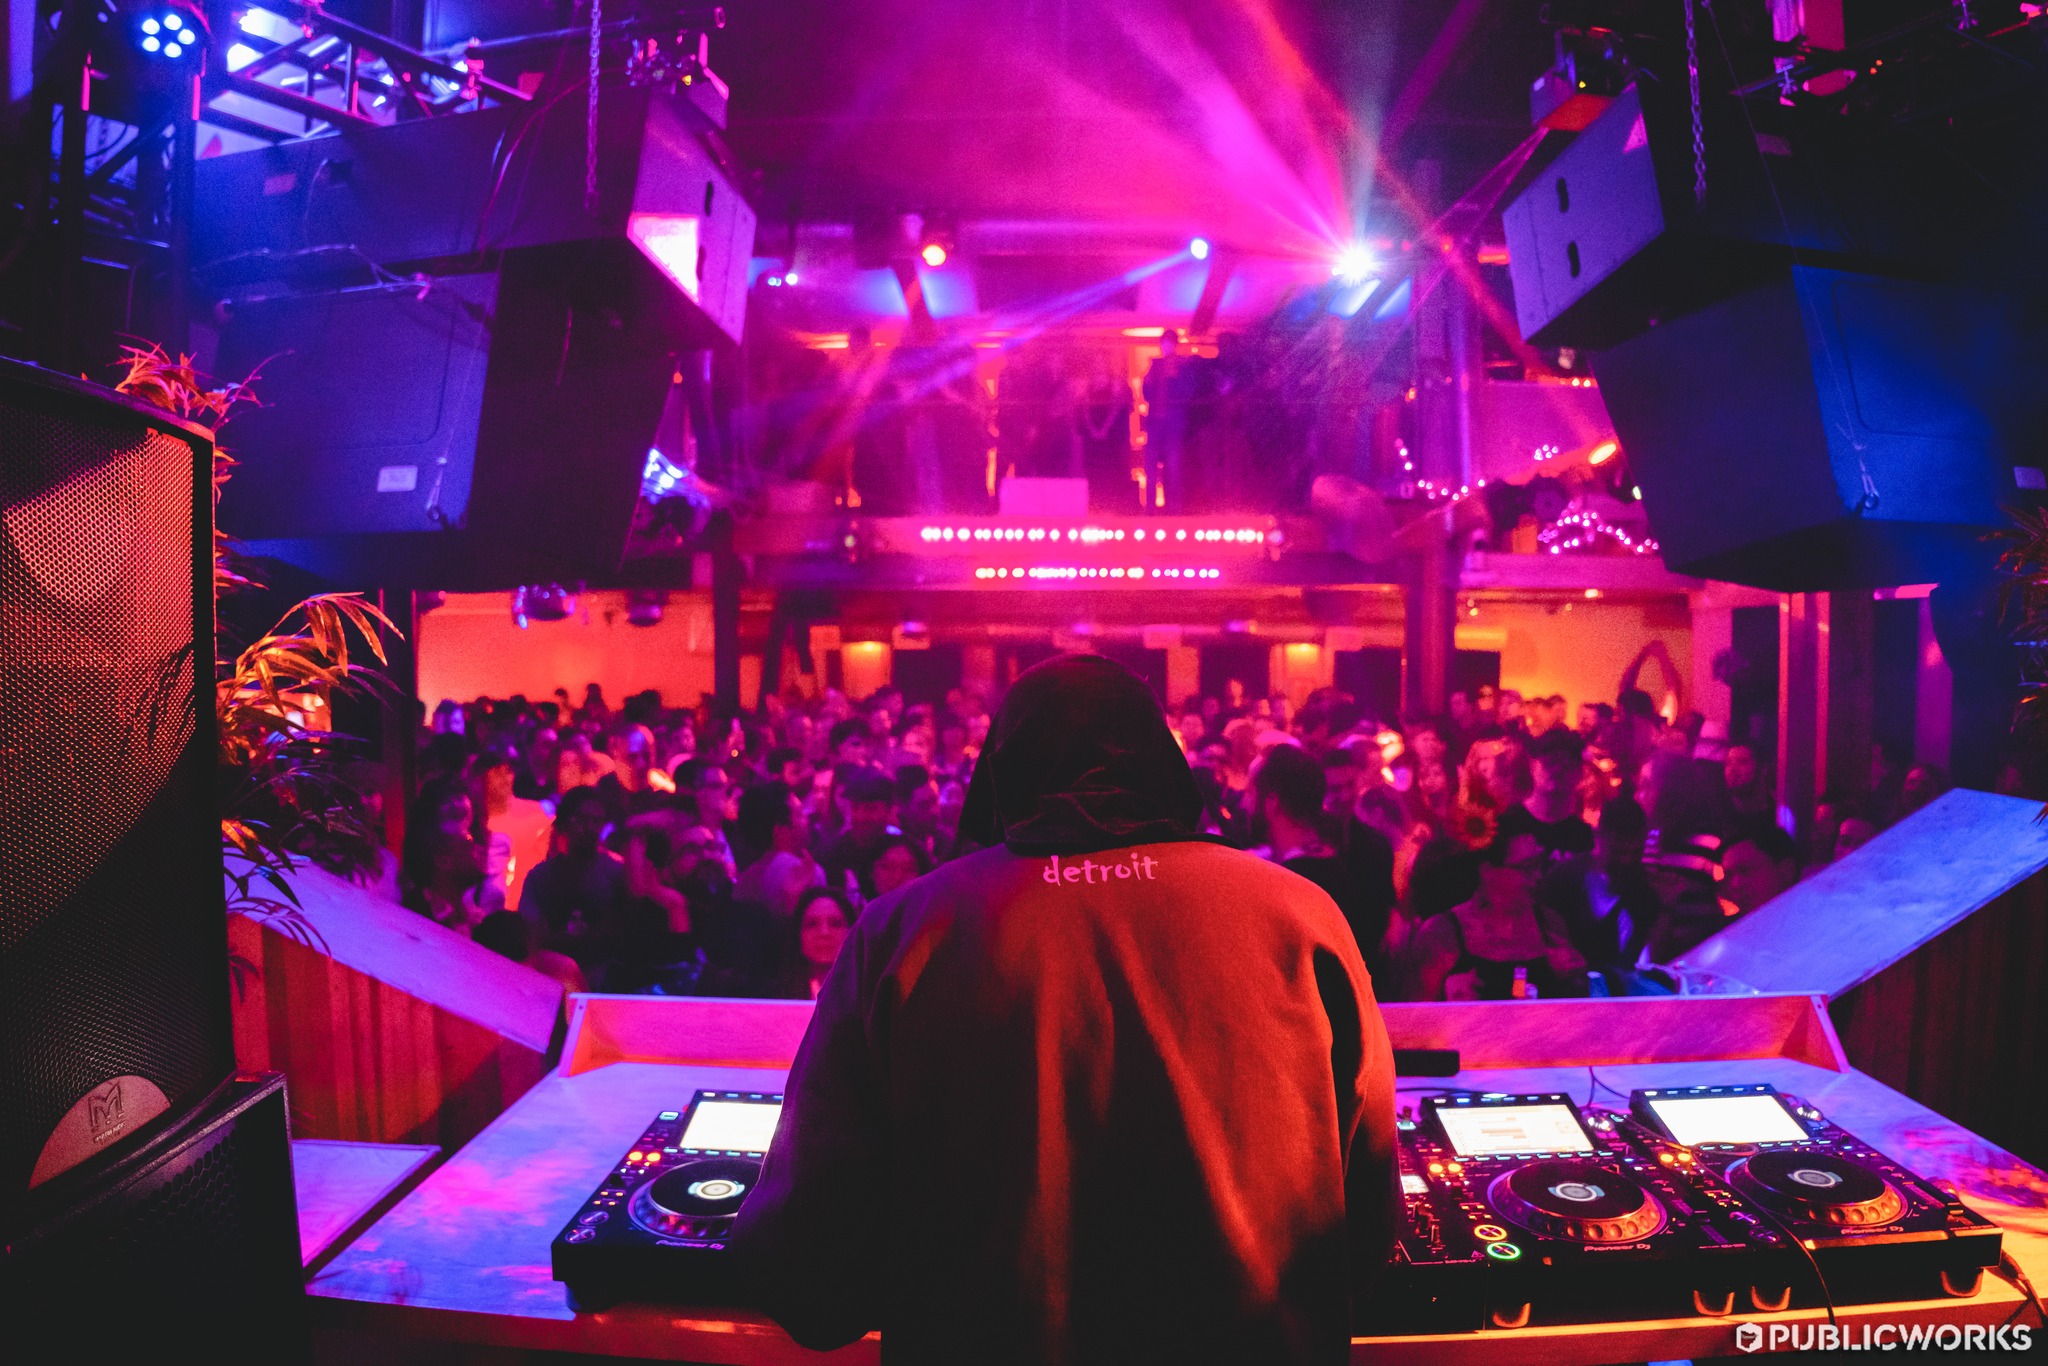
(1711, 1200)
(657, 1228)
(1516, 1209)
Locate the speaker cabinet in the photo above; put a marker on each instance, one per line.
(1612, 235)
(188, 1250)
(1832, 429)
(113, 944)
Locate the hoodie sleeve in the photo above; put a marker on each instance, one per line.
(1362, 1063)
(806, 1239)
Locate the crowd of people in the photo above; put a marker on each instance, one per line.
(1504, 849)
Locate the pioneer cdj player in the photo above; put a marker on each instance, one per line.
(657, 1228)
(1520, 1209)
(1875, 1231)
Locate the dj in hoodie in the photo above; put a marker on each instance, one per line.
(1105, 1091)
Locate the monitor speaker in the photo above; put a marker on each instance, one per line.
(1832, 429)
(114, 1014)
(187, 1250)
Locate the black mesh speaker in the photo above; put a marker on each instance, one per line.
(114, 1018)
(190, 1246)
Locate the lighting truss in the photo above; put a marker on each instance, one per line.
(330, 73)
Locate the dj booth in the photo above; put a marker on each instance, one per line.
(466, 1257)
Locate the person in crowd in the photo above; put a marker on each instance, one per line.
(442, 876)
(870, 810)
(849, 743)
(898, 861)
(518, 830)
(1684, 863)
(1550, 814)
(1923, 783)
(773, 821)
(1290, 787)
(577, 763)
(818, 930)
(1752, 802)
(1074, 1199)
(1759, 865)
(507, 935)
(1853, 833)
(1499, 944)
(575, 898)
(1604, 899)
(634, 785)
(717, 806)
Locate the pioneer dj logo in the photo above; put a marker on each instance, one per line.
(1813, 1176)
(103, 1113)
(1749, 1336)
(1580, 1192)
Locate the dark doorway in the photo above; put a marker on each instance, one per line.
(1249, 662)
(1373, 677)
(1472, 670)
(1751, 674)
(925, 675)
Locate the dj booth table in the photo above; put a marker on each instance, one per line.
(464, 1258)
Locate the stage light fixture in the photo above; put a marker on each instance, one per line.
(1199, 248)
(1354, 264)
(168, 34)
(937, 235)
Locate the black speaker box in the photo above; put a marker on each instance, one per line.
(1612, 236)
(113, 942)
(476, 433)
(474, 419)
(188, 1250)
(441, 195)
(1832, 429)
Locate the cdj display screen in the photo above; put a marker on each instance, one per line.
(1726, 1119)
(738, 1126)
(1512, 1130)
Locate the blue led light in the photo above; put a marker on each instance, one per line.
(150, 26)
(150, 45)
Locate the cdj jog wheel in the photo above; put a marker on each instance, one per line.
(1576, 1200)
(1821, 1187)
(697, 1199)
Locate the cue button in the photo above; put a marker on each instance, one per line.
(593, 1218)
(582, 1235)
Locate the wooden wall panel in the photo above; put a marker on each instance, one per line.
(366, 1061)
(1961, 1024)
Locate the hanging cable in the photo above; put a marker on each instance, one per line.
(590, 107)
(1699, 130)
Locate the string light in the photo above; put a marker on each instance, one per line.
(1127, 574)
(1585, 528)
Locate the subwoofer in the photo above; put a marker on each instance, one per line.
(186, 1250)
(114, 1022)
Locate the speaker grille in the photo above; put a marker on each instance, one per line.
(112, 947)
(204, 1235)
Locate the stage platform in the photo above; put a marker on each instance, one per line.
(464, 1258)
